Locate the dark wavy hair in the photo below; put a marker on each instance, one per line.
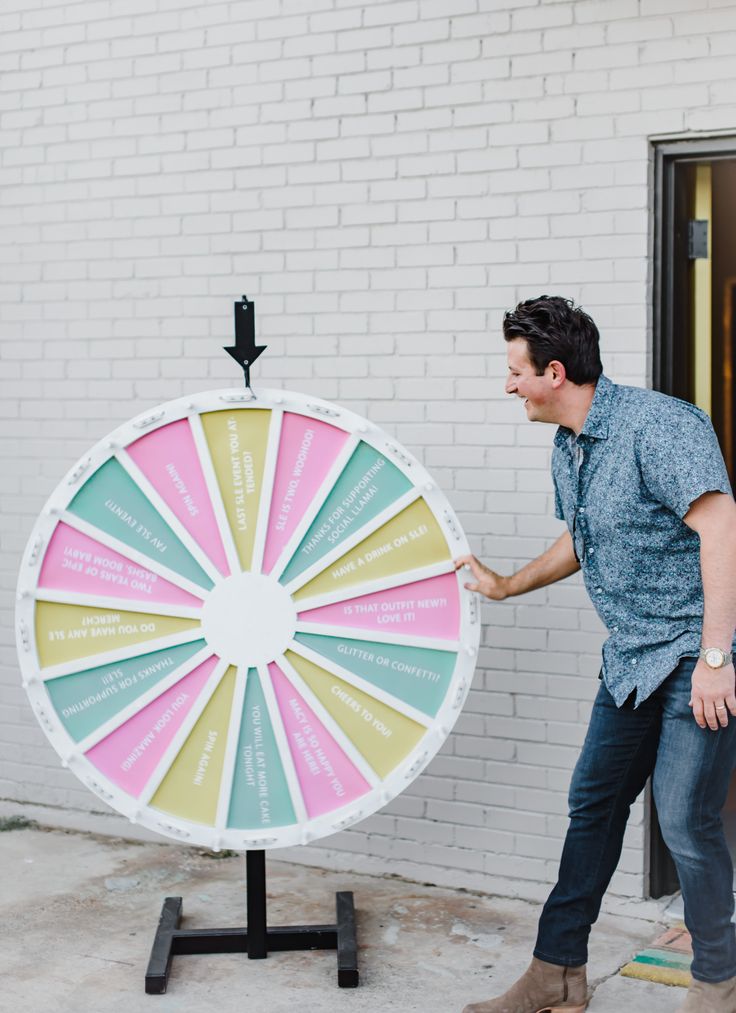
(555, 328)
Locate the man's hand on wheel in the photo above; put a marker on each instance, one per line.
(487, 581)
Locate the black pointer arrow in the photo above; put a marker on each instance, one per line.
(245, 351)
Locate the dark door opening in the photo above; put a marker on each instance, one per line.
(695, 330)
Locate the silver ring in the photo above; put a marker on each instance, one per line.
(720, 708)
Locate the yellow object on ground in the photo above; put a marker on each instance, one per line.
(666, 961)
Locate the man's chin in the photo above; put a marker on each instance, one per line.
(534, 414)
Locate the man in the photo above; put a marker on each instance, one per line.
(641, 484)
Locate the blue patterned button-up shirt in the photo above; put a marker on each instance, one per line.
(623, 487)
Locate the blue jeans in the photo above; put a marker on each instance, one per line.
(691, 769)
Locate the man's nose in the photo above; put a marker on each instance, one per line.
(510, 385)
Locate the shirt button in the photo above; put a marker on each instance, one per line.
(599, 590)
(591, 551)
(633, 661)
(581, 510)
(615, 629)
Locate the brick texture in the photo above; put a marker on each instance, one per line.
(385, 177)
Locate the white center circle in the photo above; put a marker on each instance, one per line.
(248, 619)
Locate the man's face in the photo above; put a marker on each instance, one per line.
(537, 392)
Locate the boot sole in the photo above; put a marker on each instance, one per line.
(560, 1009)
(563, 1009)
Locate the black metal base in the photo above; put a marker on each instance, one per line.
(256, 940)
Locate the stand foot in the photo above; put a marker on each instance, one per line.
(256, 940)
(162, 952)
(347, 942)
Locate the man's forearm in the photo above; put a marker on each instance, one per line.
(557, 562)
(713, 517)
(713, 695)
(718, 567)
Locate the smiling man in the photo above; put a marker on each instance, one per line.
(641, 485)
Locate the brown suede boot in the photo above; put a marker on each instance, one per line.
(543, 988)
(706, 997)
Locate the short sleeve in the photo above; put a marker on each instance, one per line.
(558, 500)
(679, 456)
(556, 466)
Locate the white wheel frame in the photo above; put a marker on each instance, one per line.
(278, 401)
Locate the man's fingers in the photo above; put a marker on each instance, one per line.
(711, 719)
(697, 705)
(476, 568)
(485, 582)
(722, 708)
(712, 697)
(475, 565)
(712, 714)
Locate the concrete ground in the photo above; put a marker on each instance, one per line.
(79, 911)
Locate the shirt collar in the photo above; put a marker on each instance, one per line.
(596, 421)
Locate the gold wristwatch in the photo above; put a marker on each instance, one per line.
(714, 657)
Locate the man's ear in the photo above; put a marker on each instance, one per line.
(557, 373)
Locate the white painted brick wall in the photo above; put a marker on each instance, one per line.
(383, 177)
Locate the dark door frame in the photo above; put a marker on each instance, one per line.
(670, 243)
(670, 301)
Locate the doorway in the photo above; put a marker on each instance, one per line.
(694, 353)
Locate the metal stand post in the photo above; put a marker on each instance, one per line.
(255, 897)
(256, 939)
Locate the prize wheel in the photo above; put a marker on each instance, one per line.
(239, 622)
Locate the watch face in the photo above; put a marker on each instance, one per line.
(714, 657)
